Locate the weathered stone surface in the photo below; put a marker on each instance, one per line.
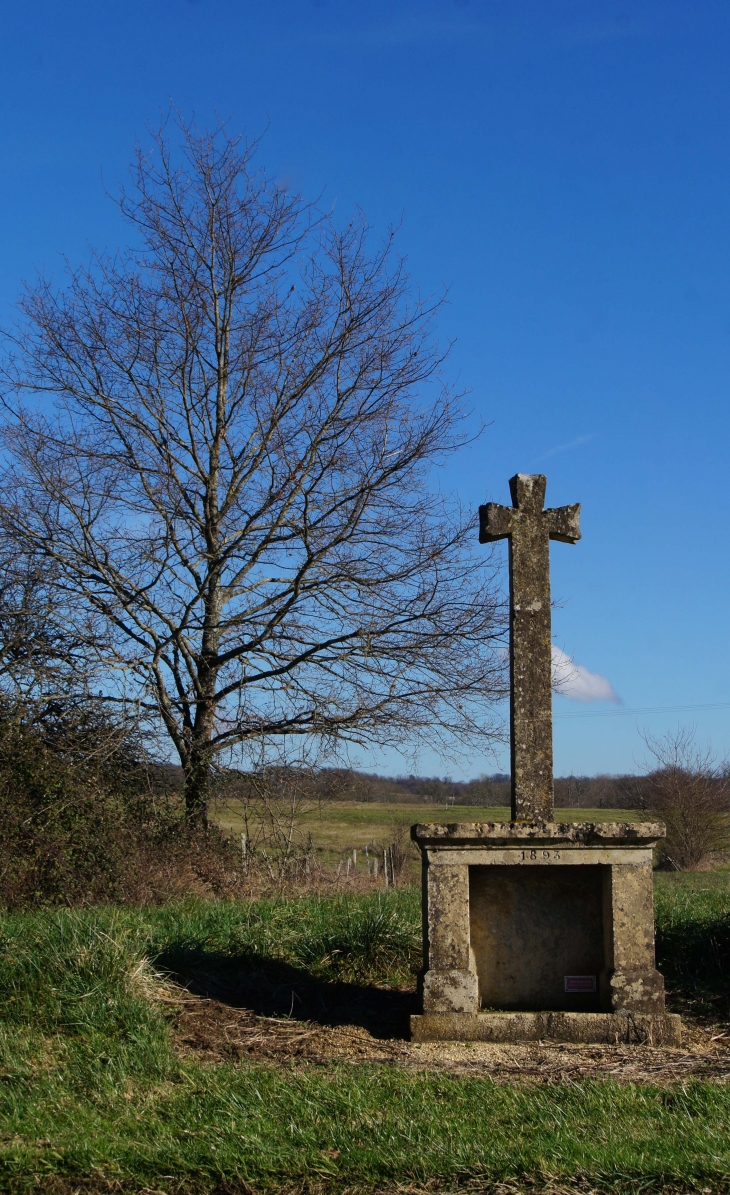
(513, 910)
(547, 927)
(532, 926)
(447, 919)
(450, 991)
(641, 989)
(630, 914)
(449, 981)
(529, 529)
(595, 1027)
(456, 834)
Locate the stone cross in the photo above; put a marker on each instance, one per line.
(529, 529)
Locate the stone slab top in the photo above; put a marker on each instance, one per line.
(445, 834)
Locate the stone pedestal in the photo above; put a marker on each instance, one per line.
(539, 930)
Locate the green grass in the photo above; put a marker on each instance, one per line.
(341, 825)
(365, 1125)
(693, 941)
(90, 1085)
(375, 938)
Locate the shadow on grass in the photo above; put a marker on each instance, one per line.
(696, 970)
(693, 954)
(693, 946)
(271, 988)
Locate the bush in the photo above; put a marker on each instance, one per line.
(84, 817)
(691, 795)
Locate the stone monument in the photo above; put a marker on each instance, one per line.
(533, 928)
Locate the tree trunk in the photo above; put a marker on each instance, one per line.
(197, 790)
(198, 768)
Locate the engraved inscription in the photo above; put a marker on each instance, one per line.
(536, 855)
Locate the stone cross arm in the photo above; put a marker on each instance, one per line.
(563, 523)
(528, 495)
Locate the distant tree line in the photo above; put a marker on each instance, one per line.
(587, 792)
(338, 784)
(598, 792)
(571, 792)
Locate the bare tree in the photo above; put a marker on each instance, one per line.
(233, 471)
(277, 806)
(39, 657)
(691, 794)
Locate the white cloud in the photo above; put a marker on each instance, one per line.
(577, 683)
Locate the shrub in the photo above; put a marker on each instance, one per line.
(84, 817)
(691, 795)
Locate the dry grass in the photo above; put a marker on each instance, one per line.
(217, 1032)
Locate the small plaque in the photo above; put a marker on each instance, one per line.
(580, 983)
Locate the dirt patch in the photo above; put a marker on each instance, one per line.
(213, 1030)
(210, 1029)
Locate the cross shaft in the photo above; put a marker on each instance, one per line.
(528, 529)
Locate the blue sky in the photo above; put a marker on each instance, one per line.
(564, 169)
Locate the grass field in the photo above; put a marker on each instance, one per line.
(93, 1091)
(343, 825)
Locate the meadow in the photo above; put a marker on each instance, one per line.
(339, 827)
(99, 1092)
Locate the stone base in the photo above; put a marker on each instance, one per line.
(607, 1028)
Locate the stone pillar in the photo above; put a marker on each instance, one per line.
(449, 981)
(630, 981)
(529, 529)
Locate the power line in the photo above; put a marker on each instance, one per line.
(646, 709)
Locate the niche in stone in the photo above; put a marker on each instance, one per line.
(536, 932)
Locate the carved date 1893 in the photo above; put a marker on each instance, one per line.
(535, 855)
